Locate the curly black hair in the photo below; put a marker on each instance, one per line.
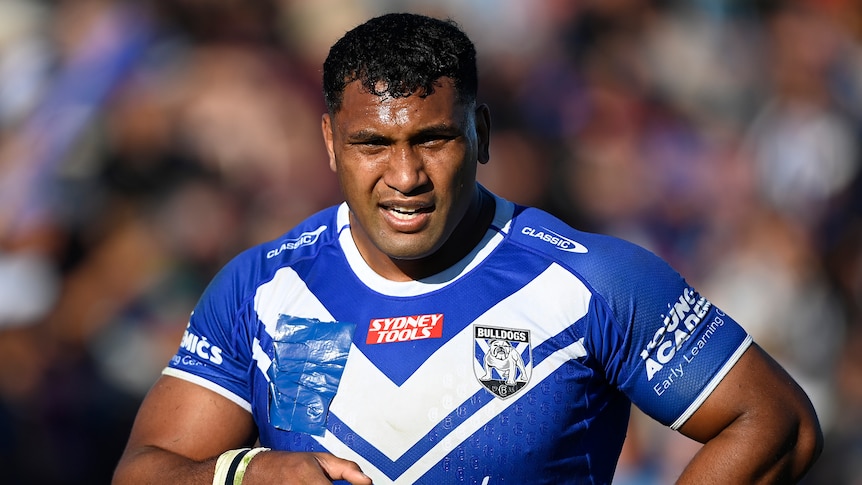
(404, 54)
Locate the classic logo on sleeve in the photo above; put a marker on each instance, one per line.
(304, 239)
(503, 359)
(557, 240)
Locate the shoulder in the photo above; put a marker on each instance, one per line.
(599, 258)
(259, 263)
(625, 277)
(306, 238)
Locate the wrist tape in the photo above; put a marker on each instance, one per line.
(230, 466)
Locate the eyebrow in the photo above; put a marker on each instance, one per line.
(365, 136)
(441, 129)
(368, 135)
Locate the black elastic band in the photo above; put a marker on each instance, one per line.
(231, 471)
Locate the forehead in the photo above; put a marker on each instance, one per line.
(363, 109)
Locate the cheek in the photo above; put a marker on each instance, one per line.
(463, 182)
(355, 179)
(446, 173)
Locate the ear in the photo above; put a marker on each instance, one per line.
(483, 132)
(326, 128)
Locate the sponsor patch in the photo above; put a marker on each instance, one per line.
(201, 347)
(682, 318)
(405, 329)
(304, 239)
(557, 240)
(502, 359)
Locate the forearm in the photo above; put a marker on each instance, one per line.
(156, 466)
(152, 465)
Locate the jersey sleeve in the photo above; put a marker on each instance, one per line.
(670, 346)
(214, 351)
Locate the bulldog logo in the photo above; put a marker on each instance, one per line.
(508, 363)
(503, 359)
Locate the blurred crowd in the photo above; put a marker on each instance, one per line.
(143, 143)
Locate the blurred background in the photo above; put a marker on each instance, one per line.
(142, 144)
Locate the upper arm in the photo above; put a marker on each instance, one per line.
(762, 411)
(189, 420)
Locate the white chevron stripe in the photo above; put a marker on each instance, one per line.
(395, 418)
(261, 357)
(483, 416)
(287, 294)
(474, 423)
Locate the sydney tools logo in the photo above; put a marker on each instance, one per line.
(404, 329)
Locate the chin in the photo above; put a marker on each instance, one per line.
(407, 251)
(407, 255)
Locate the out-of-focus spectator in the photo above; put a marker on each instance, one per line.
(805, 145)
(143, 143)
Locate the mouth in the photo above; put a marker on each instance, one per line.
(405, 213)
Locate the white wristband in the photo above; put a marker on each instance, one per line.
(230, 466)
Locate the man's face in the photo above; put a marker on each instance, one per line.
(407, 168)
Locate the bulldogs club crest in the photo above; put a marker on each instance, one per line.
(503, 360)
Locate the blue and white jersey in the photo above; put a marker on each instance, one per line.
(518, 365)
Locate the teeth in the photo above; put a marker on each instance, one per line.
(402, 213)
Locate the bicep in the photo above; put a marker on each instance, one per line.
(757, 390)
(189, 420)
(758, 426)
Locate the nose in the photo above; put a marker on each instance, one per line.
(406, 170)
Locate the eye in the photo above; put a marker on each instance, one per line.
(371, 148)
(433, 141)
(370, 145)
(371, 141)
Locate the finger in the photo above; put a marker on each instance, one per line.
(341, 469)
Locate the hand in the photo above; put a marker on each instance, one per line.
(284, 468)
